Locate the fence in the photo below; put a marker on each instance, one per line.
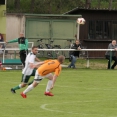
(82, 50)
(55, 50)
(5, 51)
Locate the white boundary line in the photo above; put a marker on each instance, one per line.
(44, 107)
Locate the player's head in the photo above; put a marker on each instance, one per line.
(113, 42)
(35, 49)
(61, 59)
(21, 34)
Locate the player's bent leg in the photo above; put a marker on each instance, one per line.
(24, 81)
(35, 83)
(33, 74)
(18, 87)
(49, 85)
(29, 88)
(37, 79)
(23, 85)
(49, 76)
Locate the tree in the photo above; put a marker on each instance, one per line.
(110, 4)
(32, 6)
(88, 3)
(99, 3)
(17, 4)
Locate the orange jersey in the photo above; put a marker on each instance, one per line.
(49, 66)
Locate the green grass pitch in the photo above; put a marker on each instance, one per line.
(77, 93)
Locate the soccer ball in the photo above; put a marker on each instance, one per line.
(81, 21)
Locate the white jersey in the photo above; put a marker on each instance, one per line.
(29, 59)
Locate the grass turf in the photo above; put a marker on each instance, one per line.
(78, 93)
(93, 63)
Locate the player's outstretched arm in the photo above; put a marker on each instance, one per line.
(36, 65)
(37, 59)
(12, 41)
(54, 80)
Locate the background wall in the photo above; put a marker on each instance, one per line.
(3, 20)
(55, 28)
(15, 25)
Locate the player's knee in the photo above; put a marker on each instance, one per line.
(37, 81)
(50, 78)
(23, 85)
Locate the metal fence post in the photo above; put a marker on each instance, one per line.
(110, 58)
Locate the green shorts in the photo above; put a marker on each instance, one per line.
(25, 78)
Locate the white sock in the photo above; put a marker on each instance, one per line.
(49, 84)
(20, 86)
(29, 88)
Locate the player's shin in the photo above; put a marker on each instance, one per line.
(49, 85)
(29, 88)
(17, 87)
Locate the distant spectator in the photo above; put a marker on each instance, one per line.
(73, 55)
(0, 65)
(112, 45)
(1, 44)
(23, 46)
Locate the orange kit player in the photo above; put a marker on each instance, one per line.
(45, 71)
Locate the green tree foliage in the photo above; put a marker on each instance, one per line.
(54, 6)
(43, 6)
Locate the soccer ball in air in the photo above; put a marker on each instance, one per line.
(81, 21)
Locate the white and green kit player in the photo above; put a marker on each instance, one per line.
(29, 69)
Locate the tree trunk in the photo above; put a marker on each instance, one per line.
(110, 4)
(49, 6)
(88, 3)
(17, 4)
(99, 3)
(32, 6)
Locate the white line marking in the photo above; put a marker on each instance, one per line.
(44, 107)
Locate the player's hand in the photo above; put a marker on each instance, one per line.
(32, 66)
